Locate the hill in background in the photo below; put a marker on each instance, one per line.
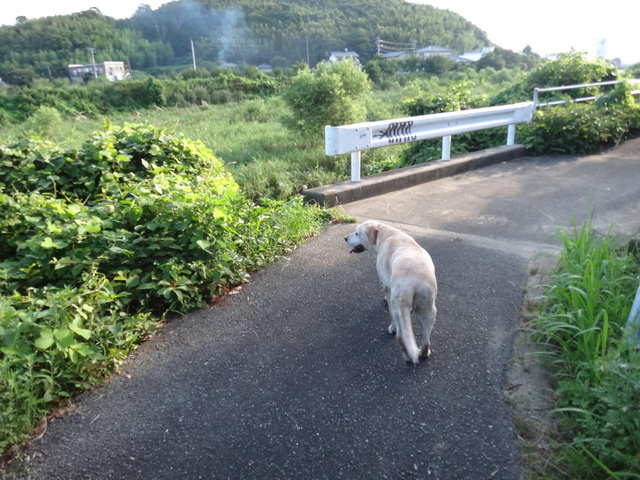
(243, 32)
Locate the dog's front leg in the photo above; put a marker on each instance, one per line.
(392, 329)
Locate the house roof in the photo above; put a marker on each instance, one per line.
(434, 48)
(393, 54)
(462, 59)
(344, 54)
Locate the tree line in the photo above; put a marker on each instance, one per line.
(241, 32)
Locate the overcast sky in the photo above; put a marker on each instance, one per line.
(548, 26)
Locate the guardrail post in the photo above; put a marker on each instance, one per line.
(446, 147)
(633, 320)
(511, 135)
(355, 166)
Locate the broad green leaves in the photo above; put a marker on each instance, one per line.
(94, 242)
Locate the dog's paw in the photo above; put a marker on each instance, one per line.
(411, 361)
(391, 330)
(425, 351)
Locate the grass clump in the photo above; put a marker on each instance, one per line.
(582, 324)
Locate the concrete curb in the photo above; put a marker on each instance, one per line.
(385, 182)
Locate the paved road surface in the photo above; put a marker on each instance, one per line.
(296, 376)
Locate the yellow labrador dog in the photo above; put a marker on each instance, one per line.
(408, 275)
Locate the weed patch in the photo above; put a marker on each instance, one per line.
(99, 243)
(587, 303)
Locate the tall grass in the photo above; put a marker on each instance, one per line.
(265, 158)
(587, 303)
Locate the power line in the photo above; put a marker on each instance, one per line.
(389, 46)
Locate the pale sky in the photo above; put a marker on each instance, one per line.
(548, 26)
(555, 26)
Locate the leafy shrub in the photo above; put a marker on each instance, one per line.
(98, 97)
(450, 99)
(568, 69)
(583, 319)
(96, 242)
(334, 94)
(582, 128)
(43, 121)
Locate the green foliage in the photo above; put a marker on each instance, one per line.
(583, 127)
(632, 71)
(46, 46)
(106, 97)
(582, 324)
(96, 242)
(239, 31)
(452, 98)
(568, 69)
(333, 94)
(44, 121)
(500, 59)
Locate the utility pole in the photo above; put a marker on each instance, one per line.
(93, 60)
(193, 54)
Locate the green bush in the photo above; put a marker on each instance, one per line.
(97, 242)
(44, 121)
(333, 94)
(582, 127)
(568, 69)
(452, 98)
(582, 325)
(101, 96)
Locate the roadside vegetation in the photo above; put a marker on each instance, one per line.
(593, 358)
(122, 204)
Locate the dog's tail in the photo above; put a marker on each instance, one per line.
(405, 337)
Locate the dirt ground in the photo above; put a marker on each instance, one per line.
(529, 389)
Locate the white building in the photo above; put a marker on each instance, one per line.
(337, 56)
(433, 50)
(475, 56)
(111, 70)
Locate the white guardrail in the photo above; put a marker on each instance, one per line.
(364, 136)
(538, 91)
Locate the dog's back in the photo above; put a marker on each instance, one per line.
(408, 275)
(412, 287)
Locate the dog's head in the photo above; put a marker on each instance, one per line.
(364, 238)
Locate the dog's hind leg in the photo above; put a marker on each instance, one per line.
(428, 320)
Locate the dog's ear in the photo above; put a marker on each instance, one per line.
(372, 235)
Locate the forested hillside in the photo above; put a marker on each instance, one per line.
(245, 32)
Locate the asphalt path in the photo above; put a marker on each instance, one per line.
(295, 376)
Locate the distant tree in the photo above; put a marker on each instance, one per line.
(22, 77)
(501, 58)
(239, 31)
(279, 62)
(334, 94)
(491, 60)
(143, 8)
(437, 64)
